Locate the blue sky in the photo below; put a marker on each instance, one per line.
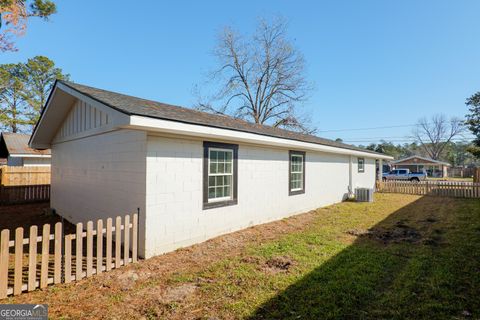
(373, 63)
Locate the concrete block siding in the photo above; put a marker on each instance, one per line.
(116, 172)
(174, 179)
(100, 176)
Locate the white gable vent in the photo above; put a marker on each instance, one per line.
(364, 194)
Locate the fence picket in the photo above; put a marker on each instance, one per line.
(32, 258)
(78, 252)
(89, 248)
(109, 245)
(18, 273)
(45, 255)
(57, 269)
(118, 241)
(4, 257)
(126, 240)
(99, 259)
(135, 238)
(68, 258)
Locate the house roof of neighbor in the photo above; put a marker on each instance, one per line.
(17, 144)
(134, 106)
(419, 160)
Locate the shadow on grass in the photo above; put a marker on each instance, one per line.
(421, 262)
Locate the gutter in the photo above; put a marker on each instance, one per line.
(178, 128)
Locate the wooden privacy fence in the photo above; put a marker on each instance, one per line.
(52, 258)
(23, 176)
(476, 175)
(434, 188)
(24, 194)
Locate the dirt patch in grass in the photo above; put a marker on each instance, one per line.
(179, 293)
(399, 232)
(278, 264)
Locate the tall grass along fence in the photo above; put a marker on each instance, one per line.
(36, 261)
(457, 189)
(24, 176)
(24, 194)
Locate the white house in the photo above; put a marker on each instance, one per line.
(14, 148)
(193, 175)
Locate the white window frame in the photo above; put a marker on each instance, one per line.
(297, 155)
(362, 160)
(301, 156)
(210, 149)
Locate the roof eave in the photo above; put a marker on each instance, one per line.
(194, 130)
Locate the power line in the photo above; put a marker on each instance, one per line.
(371, 128)
(401, 140)
(404, 138)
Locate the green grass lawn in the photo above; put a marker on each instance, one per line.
(401, 257)
(421, 260)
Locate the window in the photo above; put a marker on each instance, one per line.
(296, 173)
(219, 174)
(361, 164)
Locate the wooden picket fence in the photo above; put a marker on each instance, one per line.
(24, 194)
(54, 258)
(457, 189)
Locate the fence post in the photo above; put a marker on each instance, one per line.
(135, 235)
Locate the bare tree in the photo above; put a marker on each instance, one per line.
(435, 133)
(260, 79)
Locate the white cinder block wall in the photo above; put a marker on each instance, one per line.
(174, 179)
(100, 176)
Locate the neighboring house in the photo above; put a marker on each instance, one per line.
(193, 175)
(433, 168)
(15, 151)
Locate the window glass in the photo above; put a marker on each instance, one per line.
(361, 165)
(220, 175)
(297, 162)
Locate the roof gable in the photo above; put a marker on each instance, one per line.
(65, 117)
(419, 160)
(83, 119)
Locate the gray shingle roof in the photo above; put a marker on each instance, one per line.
(147, 108)
(17, 143)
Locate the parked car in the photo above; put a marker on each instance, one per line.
(404, 174)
